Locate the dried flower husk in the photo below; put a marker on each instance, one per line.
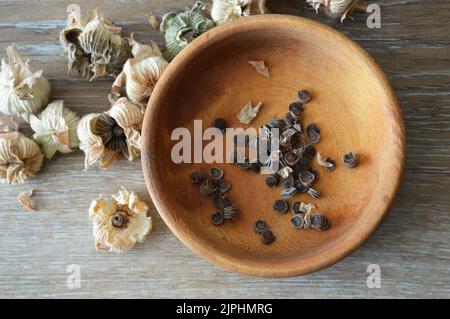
(56, 129)
(25, 201)
(248, 113)
(20, 158)
(104, 137)
(228, 10)
(335, 8)
(119, 223)
(22, 91)
(140, 73)
(95, 47)
(180, 29)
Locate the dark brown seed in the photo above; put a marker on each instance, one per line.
(303, 163)
(217, 219)
(350, 160)
(313, 193)
(297, 221)
(304, 96)
(298, 144)
(267, 237)
(197, 177)
(331, 164)
(119, 220)
(216, 173)
(313, 133)
(272, 180)
(306, 178)
(289, 192)
(281, 206)
(208, 187)
(315, 172)
(220, 124)
(296, 208)
(221, 201)
(289, 119)
(223, 185)
(288, 182)
(260, 227)
(296, 109)
(310, 152)
(319, 221)
(301, 188)
(291, 158)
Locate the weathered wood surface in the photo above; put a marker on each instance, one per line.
(412, 246)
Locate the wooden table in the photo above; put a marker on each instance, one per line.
(412, 246)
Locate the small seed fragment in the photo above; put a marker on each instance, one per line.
(297, 221)
(230, 213)
(223, 186)
(350, 160)
(296, 109)
(304, 96)
(217, 219)
(267, 237)
(313, 193)
(313, 133)
(328, 163)
(260, 227)
(208, 187)
(281, 206)
(289, 192)
(197, 177)
(288, 182)
(306, 178)
(310, 152)
(296, 208)
(216, 173)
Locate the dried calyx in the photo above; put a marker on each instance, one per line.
(22, 91)
(95, 47)
(140, 73)
(55, 129)
(119, 223)
(180, 29)
(228, 10)
(20, 158)
(338, 8)
(104, 137)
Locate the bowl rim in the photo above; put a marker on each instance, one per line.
(161, 200)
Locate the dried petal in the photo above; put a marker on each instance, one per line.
(119, 223)
(248, 113)
(228, 10)
(260, 67)
(25, 201)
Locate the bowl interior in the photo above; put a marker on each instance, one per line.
(351, 103)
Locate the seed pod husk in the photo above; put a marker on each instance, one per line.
(228, 10)
(350, 160)
(337, 8)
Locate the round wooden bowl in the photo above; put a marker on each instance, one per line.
(352, 103)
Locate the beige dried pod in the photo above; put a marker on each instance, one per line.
(228, 10)
(95, 47)
(22, 91)
(106, 136)
(338, 8)
(56, 129)
(140, 73)
(20, 158)
(120, 222)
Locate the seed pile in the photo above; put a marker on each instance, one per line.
(215, 186)
(261, 228)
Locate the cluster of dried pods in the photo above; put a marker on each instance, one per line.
(216, 186)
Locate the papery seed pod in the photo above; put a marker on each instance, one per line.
(350, 160)
(20, 158)
(228, 10)
(94, 47)
(22, 91)
(103, 137)
(180, 29)
(118, 224)
(55, 129)
(338, 8)
(140, 73)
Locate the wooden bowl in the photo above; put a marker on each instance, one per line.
(352, 103)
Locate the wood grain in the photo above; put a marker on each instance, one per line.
(411, 246)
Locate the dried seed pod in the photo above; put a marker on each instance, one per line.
(301, 188)
(228, 10)
(180, 29)
(306, 177)
(350, 160)
(291, 158)
(313, 133)
(337, 8)
(197, 177)
(310, 152)
(20, 158)
(280, 206)
(260, 227)
(217, 218)
(267, 237)
(216, 173)
(94, 47)
(272, 180)
(304, 96)
(22, 91)
(104, 137)
(320, 222)
(208, 187)
(297, 221)
(223, 186)
(119, 223)
(56, 129)
(248, 113)
(140, 73)
(296, 110)
(288, 182)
